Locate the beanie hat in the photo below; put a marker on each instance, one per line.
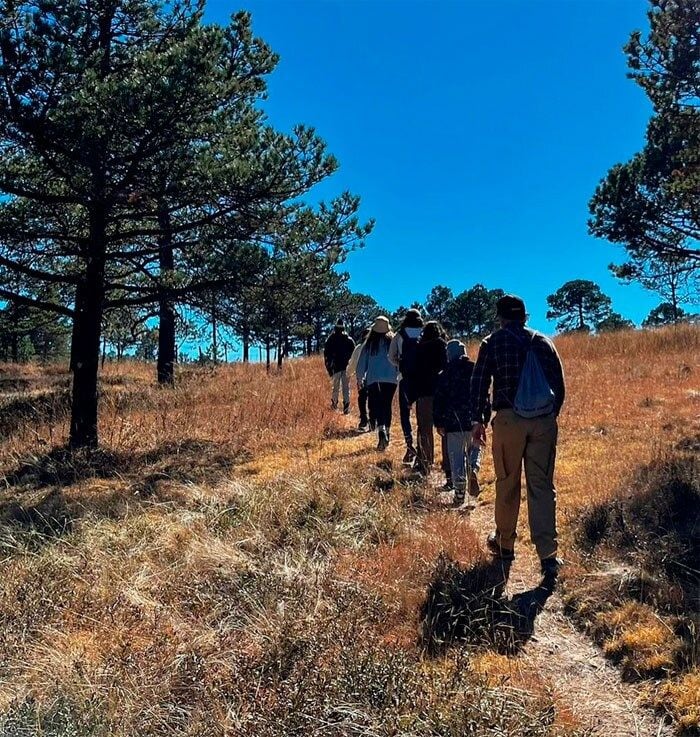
(455, 349)
(381, 325)
(511, 307)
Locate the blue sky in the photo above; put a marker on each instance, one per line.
(475, 133)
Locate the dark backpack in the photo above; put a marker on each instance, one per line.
(407, 362)
(534, 397)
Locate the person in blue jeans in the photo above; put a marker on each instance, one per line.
(380, 377)
(402, 353)
(452, 418)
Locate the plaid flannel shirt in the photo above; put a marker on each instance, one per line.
(501, 358)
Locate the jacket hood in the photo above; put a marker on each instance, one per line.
(455, 349)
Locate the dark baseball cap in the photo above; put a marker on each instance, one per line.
(510, 307)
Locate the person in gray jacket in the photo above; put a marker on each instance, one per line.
(380, 376)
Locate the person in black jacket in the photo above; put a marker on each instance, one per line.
(336, 354)
(431, 359)
(452, 418)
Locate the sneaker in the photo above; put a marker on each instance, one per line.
(474, 488)
(383, 441)
(496, 550)
(346, 409)
(363, 427)
(458, 500)
(409, 456)
(550, 568)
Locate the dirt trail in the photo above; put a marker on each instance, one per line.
(576, 669)
(557, 653)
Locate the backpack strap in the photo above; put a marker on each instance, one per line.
(530, 339)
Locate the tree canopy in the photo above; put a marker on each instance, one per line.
(578, 305)
(133, 151)
(651, 204)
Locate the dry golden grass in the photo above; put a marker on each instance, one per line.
(232, 563)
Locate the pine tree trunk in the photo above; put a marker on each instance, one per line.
(166, 310)
(268, 348)
(581, 323)
(280, 350)
(214, 332)
(85, 346)
(246, 347)
(674, 301)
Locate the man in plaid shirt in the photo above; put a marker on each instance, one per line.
(517, 440)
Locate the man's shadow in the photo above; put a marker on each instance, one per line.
(468, 605)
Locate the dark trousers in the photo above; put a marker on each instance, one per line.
(445, 458)
(426, 440)
(380, 397)
(362, 396)
(405, 402)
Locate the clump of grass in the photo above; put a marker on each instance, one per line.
(643, 606)
(467, 605)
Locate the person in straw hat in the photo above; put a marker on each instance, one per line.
(380, 376)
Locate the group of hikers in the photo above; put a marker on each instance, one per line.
(517, 375)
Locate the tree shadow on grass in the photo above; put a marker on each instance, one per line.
(33, 409)
(185, 461)
(33, 499)
(467, 605)
(45, 514)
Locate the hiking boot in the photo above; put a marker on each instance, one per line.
(346, 409)
(458, 500)
(421, 468)
(496, 550)
(550, 569)
(409, 456)
(383, 441)
(474, 488)
(363, 427)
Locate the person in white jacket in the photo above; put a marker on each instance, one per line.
(402, 353)
(366, 423)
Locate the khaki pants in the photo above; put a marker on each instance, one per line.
(534, 441)
(341, 377)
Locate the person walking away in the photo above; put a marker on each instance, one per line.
(452, 419)
(366, 423)
(431, 359)
(380, 376)
(336, 355)
(528, 394)
(402, 353)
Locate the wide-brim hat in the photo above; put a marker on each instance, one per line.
(381, 325)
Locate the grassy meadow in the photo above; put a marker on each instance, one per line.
(236, 561)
